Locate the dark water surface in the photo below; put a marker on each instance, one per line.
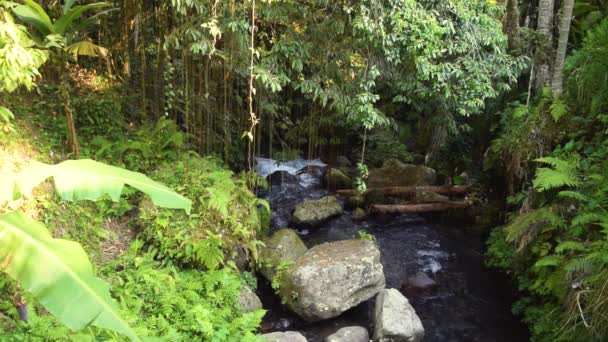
(470, 302)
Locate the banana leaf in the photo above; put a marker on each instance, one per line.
(87, 179)
(59, 274)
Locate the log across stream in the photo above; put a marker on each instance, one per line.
(469, 303)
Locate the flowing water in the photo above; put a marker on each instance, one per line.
(469, 303)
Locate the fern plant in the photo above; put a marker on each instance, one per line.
(225, 222)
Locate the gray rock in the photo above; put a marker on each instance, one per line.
(430, 197)
(353, 202)
(332, 278)
(283, 245)
(337, 179)
(421, 281)
(395, 173)
(313, 213)
(349, 334)
(359, 214)
(286, 336)
(248, 300)
(342, 161)
(395, 319)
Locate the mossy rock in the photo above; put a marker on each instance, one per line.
(337, 179)
(359, 214)
(430, 197)
(375, 197)
(315, 212)
(353, 202)
(283, 246)
(395, 173)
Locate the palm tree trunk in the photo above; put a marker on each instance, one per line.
(544, 28)
(557, 84)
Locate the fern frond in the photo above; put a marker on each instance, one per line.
(586, 218)
(575, 195)
(549, 260)
(580, 265)
(558, 109)
(563, 173)
(570, 246)
(522, 225)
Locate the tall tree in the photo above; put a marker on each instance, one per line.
(511, 23)
(557, 83)
(544, 27)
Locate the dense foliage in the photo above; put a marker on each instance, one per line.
(509, 94)
(556, 245)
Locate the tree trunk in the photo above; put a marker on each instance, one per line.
(418, 208)
(557, 84)
(67, 107)
(544, 27)
(412, 190)
(511, 23)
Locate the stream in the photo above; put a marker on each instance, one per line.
(469, 303)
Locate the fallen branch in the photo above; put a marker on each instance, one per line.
(418, 208)
(412, 190)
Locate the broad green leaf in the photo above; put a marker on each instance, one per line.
(5, 114)
(89, 180)
(31, 13)
(86, 48)
(63, 23)
(59, 274)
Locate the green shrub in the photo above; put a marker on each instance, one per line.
(384, 144)
(224, 224)
(158, 302)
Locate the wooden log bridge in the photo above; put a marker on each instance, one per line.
(418, 208)
(403, 191)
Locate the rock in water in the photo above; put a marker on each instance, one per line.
(419, 284)
(430, 197)
(342, 161)
(313, 213)
(395, 173)
(284, 245)
(395, 319)
(248, 300)
(286, 336)
(279, 178)
(332, 278)
(337, 179)
(359, 214)
(349, 334)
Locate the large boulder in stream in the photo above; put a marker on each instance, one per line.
(283, 246)
(395, 173)
(314, 212)
(349, 334)
(248, 300)
(279, 178)
(332, 278)
(285, 336)
(395, 320)
(337, 179)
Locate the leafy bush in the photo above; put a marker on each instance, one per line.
(556, 245)
(166, 303)
(224, 224)
(143, 150)
(98, 113)
(384, 144)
